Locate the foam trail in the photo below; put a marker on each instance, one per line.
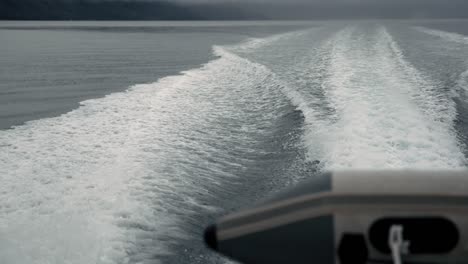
(450, 36)
(111, 181)
(388, 115)
(253, 44)
(463, 81)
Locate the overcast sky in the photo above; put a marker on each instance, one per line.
(235, 9)
(322, 9)
(352, 8)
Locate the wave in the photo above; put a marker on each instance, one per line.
(388, 115)
(253, 44)
(121, 179)
(112, 181)
(450, 36)
(461, 84)
(463, 81)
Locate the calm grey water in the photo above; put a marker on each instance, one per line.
(125, 160)
(47, 68)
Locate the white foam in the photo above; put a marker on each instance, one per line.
(253, 44)
(110, 181)
(450, 36)
(462, 82)
(388, 114)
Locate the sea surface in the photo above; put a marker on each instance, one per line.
(121, 141)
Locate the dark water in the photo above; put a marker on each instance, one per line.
(134, 177)
(48, 68)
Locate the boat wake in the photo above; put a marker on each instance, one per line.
(126, 178)
(450, 36)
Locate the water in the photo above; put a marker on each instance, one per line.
(48, 68)
(134, 176)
